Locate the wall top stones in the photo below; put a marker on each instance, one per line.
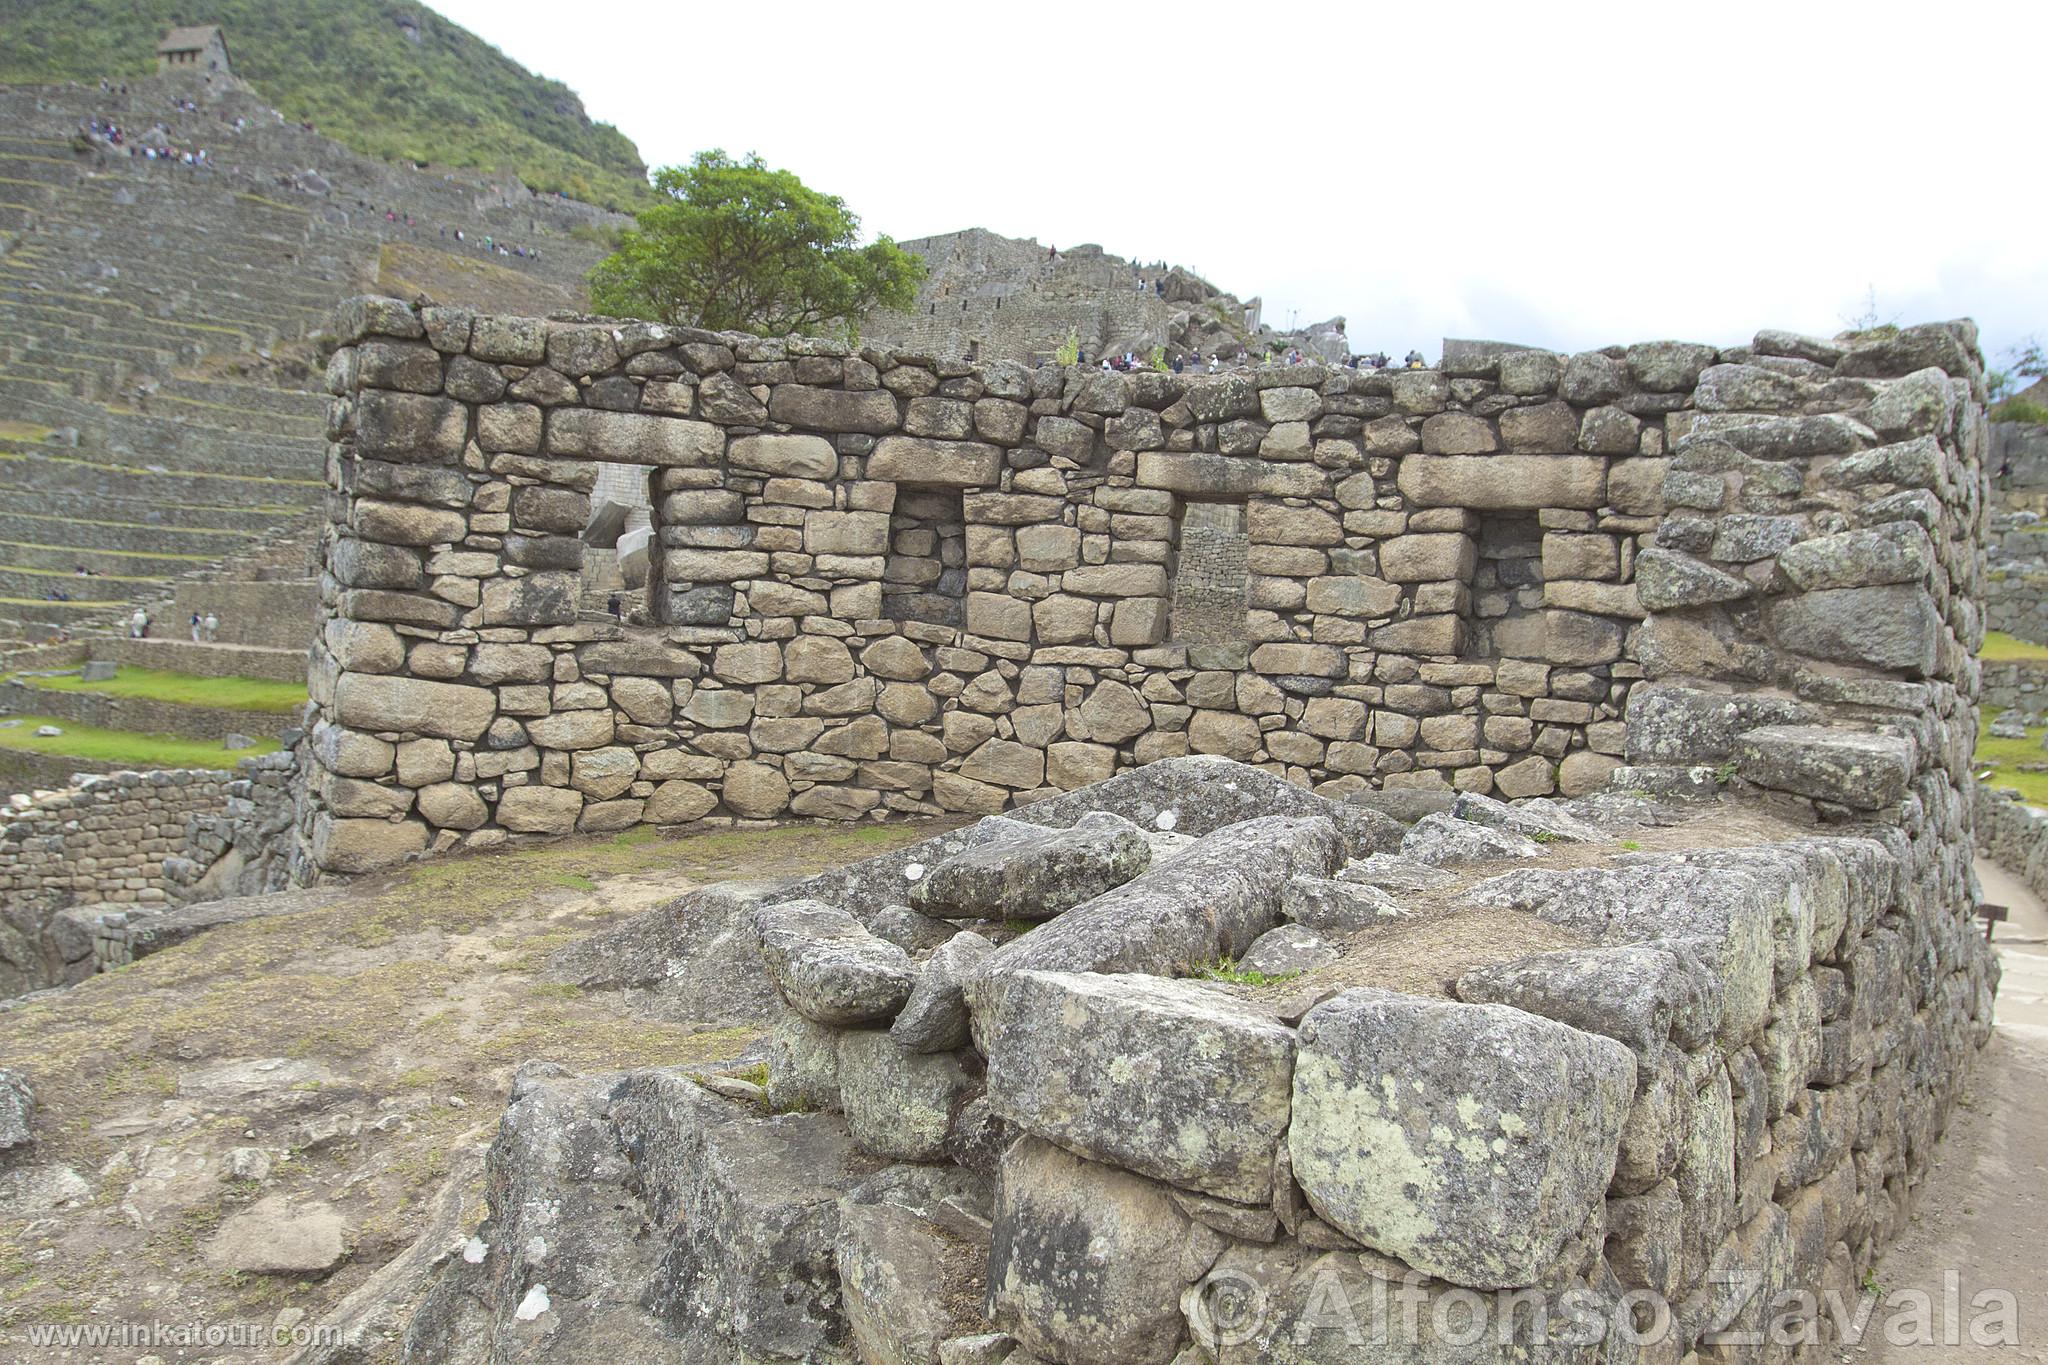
(883, 582)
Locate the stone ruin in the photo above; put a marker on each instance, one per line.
(887, 584)
(1002, 1115)
(1150, 1069)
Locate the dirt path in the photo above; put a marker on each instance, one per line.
(1982, 1213)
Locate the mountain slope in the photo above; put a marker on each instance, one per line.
(386, 77)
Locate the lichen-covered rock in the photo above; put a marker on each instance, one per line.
(828, 967)
(935, 1017)
(1086, 1262)
(1205, 904)
(803, 1065)
(1036, 874)
(1336, 906)
(1395, 873)
(1471, 1141)
(1288, 950)
(1443, 840)
(1626, 993)
(902, 1281)
(901, 1104)
(1171, 1079)
(1867, 771)
(17, 1110)
(1292, 1302)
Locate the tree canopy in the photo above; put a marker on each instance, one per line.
(735, 246)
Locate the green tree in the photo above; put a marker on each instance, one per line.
(734, 246)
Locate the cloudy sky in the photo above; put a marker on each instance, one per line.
(1566, 175)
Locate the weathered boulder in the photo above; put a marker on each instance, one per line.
(1085, 1262)
(1334, 906)
(1171, 1079)
(1034, 874)
(935, 1017)
(1288, 950)
(1867, 771)
(1444, 840)
(1471, 1141)
(1719, 915)
(696, 958)
(901, 1104)
(17, 1110)
(1393, 872)
(1210, 902)
(828, 967)
(903, 1282)
(1626, 993)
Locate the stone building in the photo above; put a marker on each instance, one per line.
(200, 48)
(883, 583)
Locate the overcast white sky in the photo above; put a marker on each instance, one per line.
(1565, 174)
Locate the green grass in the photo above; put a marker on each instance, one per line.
(346, 65)
(2003, 757)
(185, 689)
(1228, 970)
(2000, 648)
(125, 748)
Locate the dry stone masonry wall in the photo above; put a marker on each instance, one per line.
(77, 865)
(1453, 578)
(1652, 1083)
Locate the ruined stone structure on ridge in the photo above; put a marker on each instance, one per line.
(197, 50)
(989, 297)
(890, 585)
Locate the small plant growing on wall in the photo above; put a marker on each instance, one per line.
(1070, 350)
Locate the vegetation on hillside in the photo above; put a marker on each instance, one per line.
(389, 78)
(734, 245)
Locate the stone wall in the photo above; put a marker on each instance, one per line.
(133, 844)
(1453, 577)
(1606, 1095)
(2014, 835)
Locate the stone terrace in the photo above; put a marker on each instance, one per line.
(121, 280)
(896, 584)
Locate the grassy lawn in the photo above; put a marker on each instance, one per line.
(2003, 757)
(2000, 648)
(185, 689)
(125, 748)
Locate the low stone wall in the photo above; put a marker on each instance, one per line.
(1630, 1089)
(138, 840)
(2021, 684)
(274, 664)
(24, 770)
(1453, 578)
(2014, 835)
